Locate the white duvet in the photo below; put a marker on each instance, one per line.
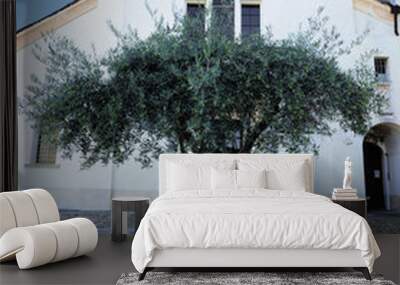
(250, 219)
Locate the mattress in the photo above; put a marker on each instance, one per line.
(250, 219)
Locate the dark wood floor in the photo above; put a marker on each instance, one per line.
(106, 264)
(103, 266)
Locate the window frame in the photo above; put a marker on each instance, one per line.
(45, 152)
(224, 5)
(34, 161)
(198, 5)
(243, 7)
(381, 64)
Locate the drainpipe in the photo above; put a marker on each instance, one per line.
(395, 10)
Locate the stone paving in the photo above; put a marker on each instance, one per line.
(101, 218)
(382, 222)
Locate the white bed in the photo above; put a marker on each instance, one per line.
(248, 227)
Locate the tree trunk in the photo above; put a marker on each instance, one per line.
(181, 145)
(252, 137)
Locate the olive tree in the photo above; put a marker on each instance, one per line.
(187, 89)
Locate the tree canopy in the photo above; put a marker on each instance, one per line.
(187, 89)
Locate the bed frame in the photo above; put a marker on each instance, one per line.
(246, 259)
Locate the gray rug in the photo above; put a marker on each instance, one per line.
(269, 278)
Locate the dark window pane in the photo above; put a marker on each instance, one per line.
(223, 17)
(381, 68)
(46, 152)
(380, 65)
(223, 2)
(196, 11)
(250, 20)
(196, 20)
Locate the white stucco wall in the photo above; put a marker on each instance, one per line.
(91, 189)
(71, 187)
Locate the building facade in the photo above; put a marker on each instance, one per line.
(375, 156)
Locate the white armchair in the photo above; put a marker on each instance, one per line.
(32, 233)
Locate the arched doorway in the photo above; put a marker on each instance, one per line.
(373, 175)
(381, 151)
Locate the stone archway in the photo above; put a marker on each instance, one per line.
(381, 151)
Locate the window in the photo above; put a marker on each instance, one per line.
(381, 71)
(250, 20)
(196, 11)
(46, 152)
(223, 17)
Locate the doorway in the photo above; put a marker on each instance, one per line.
(373, 175)
(381, 153)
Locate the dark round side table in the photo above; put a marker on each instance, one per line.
(358, 206)
(120, 208)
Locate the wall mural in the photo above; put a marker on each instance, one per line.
(107, 86)
(190, 90)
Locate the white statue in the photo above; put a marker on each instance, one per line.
(347, 174)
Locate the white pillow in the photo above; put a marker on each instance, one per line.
(251, 178)
(223, 179)
(184, 173)
(289, 175)
(227, 179)
(188, 177)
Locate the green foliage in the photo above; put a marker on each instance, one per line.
(190, 90)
